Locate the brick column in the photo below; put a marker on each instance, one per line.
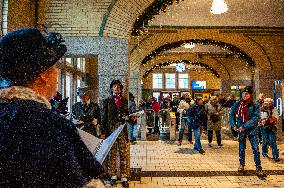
(21, 14)
(264, 81)
(226, 87)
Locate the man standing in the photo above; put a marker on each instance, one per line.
(86, 114)
(197, 116)
(244, 117)
(132, 119)
(213, 109)
(115, 109)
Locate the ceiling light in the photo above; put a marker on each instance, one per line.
(189, 45)
(219, 7)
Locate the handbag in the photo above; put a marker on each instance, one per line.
(214, 118)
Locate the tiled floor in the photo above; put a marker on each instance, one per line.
(164, 164)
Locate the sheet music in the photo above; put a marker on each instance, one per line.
(98, 147)
(92, 142)
(107, 144)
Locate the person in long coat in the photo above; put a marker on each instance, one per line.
(114, 112)
(38, 147)
(213, 109)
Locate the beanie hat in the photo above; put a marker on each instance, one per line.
(116, 82)
(248, 89)
(26, 53)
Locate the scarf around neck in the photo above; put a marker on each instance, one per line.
(242, 109)
(117, 100)
(22, 93)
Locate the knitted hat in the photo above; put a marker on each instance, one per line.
(26, 53)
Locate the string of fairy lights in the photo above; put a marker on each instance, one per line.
(167, 63)
(141, 26)
(235, 50)
(149, 14)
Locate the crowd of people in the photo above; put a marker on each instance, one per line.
(256, 121)
(40, 147)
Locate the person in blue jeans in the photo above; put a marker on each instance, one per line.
(132, 118)
(196, 116)
(184, 104)
(244, 117)
(269, 117)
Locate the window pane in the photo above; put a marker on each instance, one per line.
(156, 95)
(170, 81)
(69, 89)
(158, 81)
(79, 84)
(69, 61)
(183, 80)
(79, 63)
(5, 17)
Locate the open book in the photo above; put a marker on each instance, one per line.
(99, 147)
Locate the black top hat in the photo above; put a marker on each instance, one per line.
(26, 53)
(248, 89)
(116, 82)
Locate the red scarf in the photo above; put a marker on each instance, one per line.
(117, 100)
(243, 110)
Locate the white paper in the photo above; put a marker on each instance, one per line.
(98, 147)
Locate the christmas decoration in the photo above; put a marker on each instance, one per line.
(164, 64)
(235, 50)
(149, 13)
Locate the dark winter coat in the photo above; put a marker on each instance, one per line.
(112, 116)
(86, 113)
(251, 126)
(39, 148)
(197, 116)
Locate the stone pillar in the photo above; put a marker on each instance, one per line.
(112, 59)
(113, 64)
(135, 86)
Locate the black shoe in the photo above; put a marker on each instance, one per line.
(276, 160)
(265, 155)
(241, 169)
(259, 172)
(111, 182)
(201, 151)
(125, 184)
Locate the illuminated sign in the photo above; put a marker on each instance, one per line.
(198, 85)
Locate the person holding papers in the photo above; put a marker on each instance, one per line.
(114, 112)
(38, 147)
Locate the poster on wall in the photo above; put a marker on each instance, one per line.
(278, 100)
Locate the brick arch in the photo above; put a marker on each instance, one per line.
(238, 40)
(121, 16)
(222, 71)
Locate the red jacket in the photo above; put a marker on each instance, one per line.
(156, 106)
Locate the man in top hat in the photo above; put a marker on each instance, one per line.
(86, 114)
(38, 147)
(114, 112)
(244, 117)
